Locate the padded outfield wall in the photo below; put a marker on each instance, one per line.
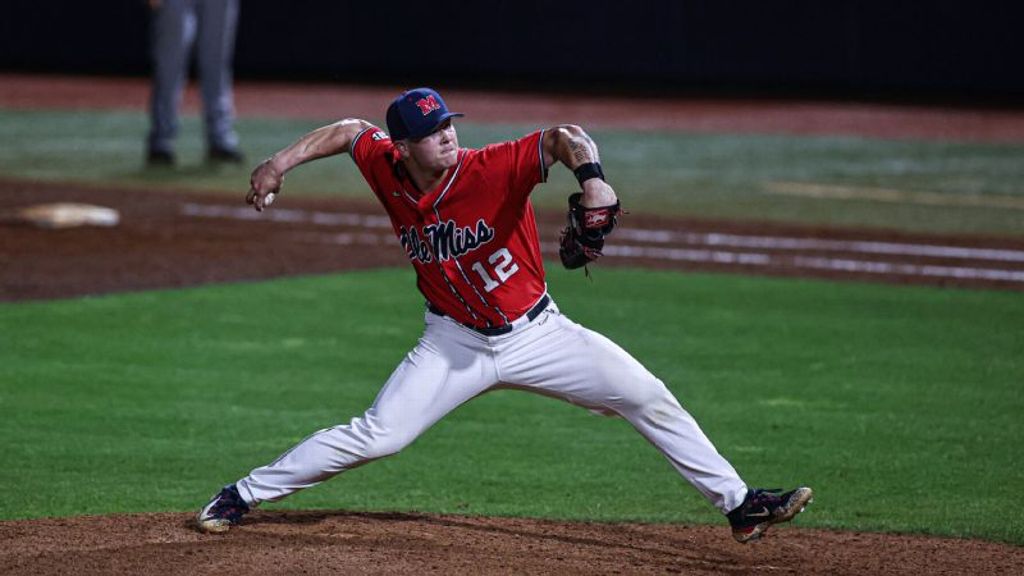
(946, 49)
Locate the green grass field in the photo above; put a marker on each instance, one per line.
(908, 185)
(901, 406)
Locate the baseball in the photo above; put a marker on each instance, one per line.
(269, 199)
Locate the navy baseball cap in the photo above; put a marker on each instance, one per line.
(416, 113)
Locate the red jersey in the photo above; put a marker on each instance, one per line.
(473, 238)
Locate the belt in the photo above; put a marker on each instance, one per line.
(530, 315)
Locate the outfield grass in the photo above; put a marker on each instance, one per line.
(910, 185)
(900, 405)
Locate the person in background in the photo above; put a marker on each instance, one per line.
(177, 25)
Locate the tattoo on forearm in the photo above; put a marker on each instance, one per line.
(581, 151)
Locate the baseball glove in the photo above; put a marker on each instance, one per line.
(583, 237)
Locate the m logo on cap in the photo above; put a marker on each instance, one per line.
(428, 105)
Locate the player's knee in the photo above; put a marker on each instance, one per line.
(644, 394)
(384, 445)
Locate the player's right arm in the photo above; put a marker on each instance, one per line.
(326, 141)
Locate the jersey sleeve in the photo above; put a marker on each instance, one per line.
(528, 162)
(371, 149)
(522, 162)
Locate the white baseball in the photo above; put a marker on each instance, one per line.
(269, 199)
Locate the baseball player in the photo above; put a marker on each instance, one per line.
(465, 221)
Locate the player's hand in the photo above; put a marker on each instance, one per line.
(582, 239)
(264, 184)
(596, 193)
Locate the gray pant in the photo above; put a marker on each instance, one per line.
(176, 26)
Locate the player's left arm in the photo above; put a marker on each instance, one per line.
(573, 147)
(593, 213)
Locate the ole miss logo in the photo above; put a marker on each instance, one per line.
(428, 105)
(444, 240)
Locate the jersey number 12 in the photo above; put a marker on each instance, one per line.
(503, 268)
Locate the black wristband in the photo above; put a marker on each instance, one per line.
(587, 171)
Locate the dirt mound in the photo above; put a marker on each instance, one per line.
(326, 542)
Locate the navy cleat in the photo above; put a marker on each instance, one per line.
(222, 512)
(762, 508)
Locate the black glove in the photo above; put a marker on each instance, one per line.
(583, 237)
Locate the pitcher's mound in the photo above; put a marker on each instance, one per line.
(331, 542)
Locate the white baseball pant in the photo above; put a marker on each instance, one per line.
(552, 355)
